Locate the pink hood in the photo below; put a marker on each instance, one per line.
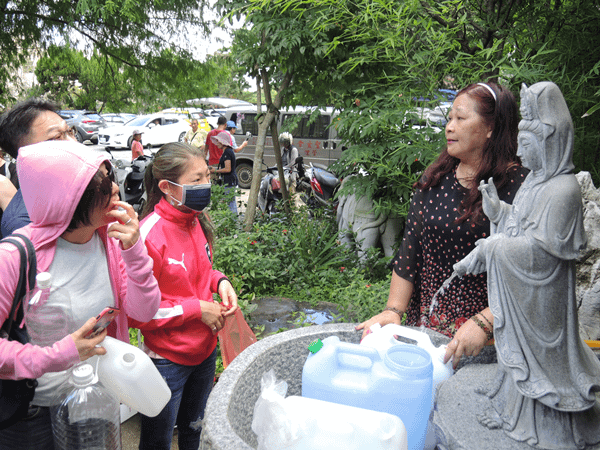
(53, 177)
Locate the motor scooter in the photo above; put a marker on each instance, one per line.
(130, 179)
(132, 190)
(270, 186)
(324, 184)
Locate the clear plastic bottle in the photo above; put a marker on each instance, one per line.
(48, 319)
(87, 416)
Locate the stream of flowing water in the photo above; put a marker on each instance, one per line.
(440, 291)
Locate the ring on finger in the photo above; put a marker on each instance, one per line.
(127, 221)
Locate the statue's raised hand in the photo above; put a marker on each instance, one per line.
(490, 201)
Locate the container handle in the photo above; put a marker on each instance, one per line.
(423, 340)
(345, 348)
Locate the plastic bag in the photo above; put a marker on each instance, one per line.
(272, 422)
(299, 423)
(235, 337)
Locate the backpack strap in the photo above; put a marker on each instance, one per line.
(28, 259)
(31, 260)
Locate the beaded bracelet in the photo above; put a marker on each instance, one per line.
(397, 311)
(486, 319)
(488, 333)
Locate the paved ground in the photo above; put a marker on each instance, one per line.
(130, 434)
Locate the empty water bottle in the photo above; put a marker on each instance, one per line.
(47, 318)
(87, 415)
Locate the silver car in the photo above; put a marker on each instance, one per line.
(86, 124)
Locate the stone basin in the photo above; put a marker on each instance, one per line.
(228, 414)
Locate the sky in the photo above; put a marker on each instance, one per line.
(219, 38)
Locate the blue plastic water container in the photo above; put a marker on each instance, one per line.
(400, 383)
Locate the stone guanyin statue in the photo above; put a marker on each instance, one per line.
(545, 390)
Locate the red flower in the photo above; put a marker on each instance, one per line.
(342, 269)
(284, 231)
(253, 242)
(368, 286)
(460, 322)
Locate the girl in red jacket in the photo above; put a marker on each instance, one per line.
(182, 337)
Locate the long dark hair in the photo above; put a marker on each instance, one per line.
(499, 152)
(169, 163)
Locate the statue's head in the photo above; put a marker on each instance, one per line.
(545, 131)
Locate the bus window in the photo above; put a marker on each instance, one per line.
(315, 130)
(247, 123)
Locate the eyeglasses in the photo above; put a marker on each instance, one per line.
(66, 135)
(110, 174)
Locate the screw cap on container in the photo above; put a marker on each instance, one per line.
(43, 280)
(83, 375)
(315, 346)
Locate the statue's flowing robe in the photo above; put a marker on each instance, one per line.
(547, 396)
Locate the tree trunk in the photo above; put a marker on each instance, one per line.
(263, 125)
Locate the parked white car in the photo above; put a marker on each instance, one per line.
(116, 119)
(158, 129)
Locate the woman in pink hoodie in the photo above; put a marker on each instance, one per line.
(89, 242)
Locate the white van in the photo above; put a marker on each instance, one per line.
(317, 142)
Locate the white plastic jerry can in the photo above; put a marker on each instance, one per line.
(330, 425)
(128, 373)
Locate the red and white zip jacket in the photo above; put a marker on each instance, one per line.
(183, 268)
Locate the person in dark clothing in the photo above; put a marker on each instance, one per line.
(29, 122)
(226, 168)
(446, 220)
(9, 182)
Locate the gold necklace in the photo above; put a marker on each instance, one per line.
(465, 180)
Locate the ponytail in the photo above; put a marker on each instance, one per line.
(153, 192)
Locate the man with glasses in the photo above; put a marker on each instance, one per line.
(29, 122)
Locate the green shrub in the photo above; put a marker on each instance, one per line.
(299, 256)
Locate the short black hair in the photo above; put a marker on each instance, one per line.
(222, 120)
(15, 123)
(97, 194)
